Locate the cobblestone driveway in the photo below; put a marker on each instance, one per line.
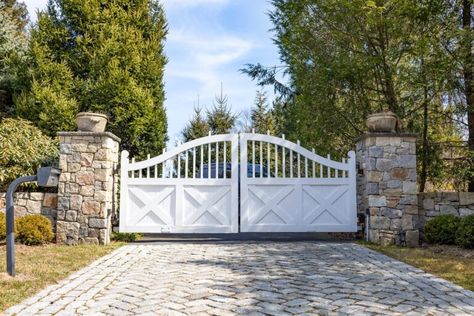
(251, 279)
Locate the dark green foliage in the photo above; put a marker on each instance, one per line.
(442, 229)
(261, 116)
(197, 127)
(13, 46)
(220, 118)
(34, 230)
(345, 59)
(3, 226)
(23, 148)
(127, 237)
(104, 57)
(465, 232)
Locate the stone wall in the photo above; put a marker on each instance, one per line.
(33, 203)
(439, 203)
(387, 187)
(86, 191)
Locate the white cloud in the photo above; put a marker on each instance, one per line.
(204, 58)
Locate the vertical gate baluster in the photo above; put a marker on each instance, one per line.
(194, 162)
(225, 159)
(163, 165)
(172, 167)
(268, 159)
(283, 156)
(209, 160)
(253, 158)
(133, 172)
(291, 163)
(202, 161)
(344, 171)
(178, 167)
(329, 168)
(276, 161)
(305, 167)
(217, 160)
(299, 160)
(261, 159)
(314, 165)
(186, 164)
(148, 169)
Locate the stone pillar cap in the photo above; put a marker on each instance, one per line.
(91, 134)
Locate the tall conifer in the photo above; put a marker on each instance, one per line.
(102, 56)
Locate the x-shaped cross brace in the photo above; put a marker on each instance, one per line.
(207, 204)
(325, 203)
(271, 204)
(153, 205)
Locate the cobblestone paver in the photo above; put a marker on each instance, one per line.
(264, 278)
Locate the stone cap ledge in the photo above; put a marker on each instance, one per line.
(381, 134)
(91, 134)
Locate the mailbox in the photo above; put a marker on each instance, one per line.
(48, 176)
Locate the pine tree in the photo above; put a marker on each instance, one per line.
(102, 56)
(196, 127)
(262, 118)
(220, 118)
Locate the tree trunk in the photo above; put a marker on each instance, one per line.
(468, 76)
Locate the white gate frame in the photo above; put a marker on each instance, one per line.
(171, 190)
(340, 176)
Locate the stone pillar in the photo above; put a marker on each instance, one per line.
(86, 191)
(387, 187)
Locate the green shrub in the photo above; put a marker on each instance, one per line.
(126, 236)
(442, 229)
(23, 147)
(465, 232)
(3, 226)
(34, 230)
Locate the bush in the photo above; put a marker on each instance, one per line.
(465, 232)
(34, 230)
(442, 229)
(3, 226)
(23, 148)
(126, 236)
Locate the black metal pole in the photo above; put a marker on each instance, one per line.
(10, 221)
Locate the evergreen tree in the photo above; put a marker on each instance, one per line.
(262, 118)
(197, 126)
(220, 118)
(345, 59)
(13, 46)
(91, 55)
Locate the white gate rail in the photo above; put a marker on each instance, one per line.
(191, 188)
(287, 188)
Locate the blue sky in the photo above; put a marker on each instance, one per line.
(208, 42)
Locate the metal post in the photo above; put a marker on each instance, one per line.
(10, 221)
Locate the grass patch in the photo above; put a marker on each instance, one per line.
(39, 266)
(448, 262)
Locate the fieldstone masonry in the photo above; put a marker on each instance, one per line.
(87, 187)
(433, 204)
(33, 203)
(387, 187)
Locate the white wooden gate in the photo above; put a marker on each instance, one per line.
(182, 190)
(194, 188)
(293, 189)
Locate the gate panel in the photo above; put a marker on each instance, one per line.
(286, 188)
(190, 189)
